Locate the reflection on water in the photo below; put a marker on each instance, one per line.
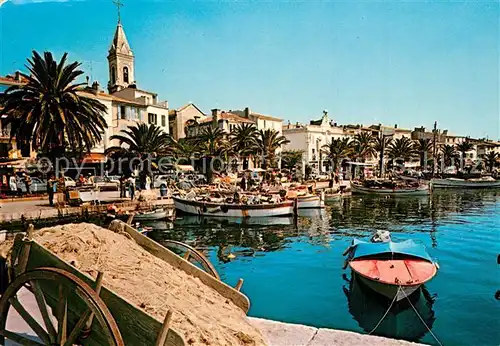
(401, 322)
(293, 268)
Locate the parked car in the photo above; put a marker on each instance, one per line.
(37, 185)
(69, 182)
(105, 184)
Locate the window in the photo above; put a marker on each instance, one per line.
(113, 74)
(122, 112)
(152, 118)
(125, 74)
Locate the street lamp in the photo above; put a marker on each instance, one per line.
(318, 140)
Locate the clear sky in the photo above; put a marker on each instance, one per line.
(366, 62)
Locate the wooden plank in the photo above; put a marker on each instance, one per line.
(26, 316)
(238, 298)
(42, 305)
(136, 326)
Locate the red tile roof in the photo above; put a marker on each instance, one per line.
(229, 117)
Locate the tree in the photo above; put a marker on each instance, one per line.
(338, 149)
(464, 147)
(211, 143)
(266, 143)
(381, 146)
(291, 158)
(364, 145)
(402, 149)
(491, 160)
(449, 154)
(424, 148)
(143, 142)
(242, 140)
(49, 113)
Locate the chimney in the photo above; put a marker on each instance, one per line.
(95, 88)
(247, 113)
(17, 76)
(395, 126)
(215, 117)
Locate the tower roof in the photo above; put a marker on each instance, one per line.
(120, 43)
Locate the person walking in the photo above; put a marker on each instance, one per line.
(131, 186)
(51, 188)
(13, 184)
(148, 182)
(27, 183)
(123, 187)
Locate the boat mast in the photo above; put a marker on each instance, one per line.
(434, 149)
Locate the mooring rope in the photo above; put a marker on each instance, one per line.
(421, 319)
(385, 314)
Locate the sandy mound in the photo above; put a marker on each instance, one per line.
(200, 313)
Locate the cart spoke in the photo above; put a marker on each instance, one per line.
(62, 315)
(42, 305)
(30, 320)
(78, 328)
(19, 339)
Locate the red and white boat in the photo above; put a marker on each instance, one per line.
(394, 270)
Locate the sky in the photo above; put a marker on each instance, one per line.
(366, 62)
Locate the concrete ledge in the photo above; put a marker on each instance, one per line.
(288, 334)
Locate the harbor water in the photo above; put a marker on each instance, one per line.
(293, 269)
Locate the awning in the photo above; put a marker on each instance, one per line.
(360, 164)
(185, 168)
(94, 158)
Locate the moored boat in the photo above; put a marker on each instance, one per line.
(310, 201)
(478, 183)
(154, 215)
(420, 190)
(207, 208)
(394, 270)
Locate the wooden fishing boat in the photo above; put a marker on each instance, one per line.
(394, 270)
(75, 306)
(455, 183)
(154, 215)
(335, 197)
(421, 190)
(191, 206)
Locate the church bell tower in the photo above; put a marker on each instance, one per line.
(120, 59)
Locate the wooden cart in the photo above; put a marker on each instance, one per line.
(77, 309)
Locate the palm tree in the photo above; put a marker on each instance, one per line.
(211, 143)
(424, 147)
(463, 148)
(338, 149)
(142, 142)
(291, 158)
(185, 148)
(449, 154)
(381, 146)
(364, 145)
(242, 140)
(266, 144)
(402, 150)
(491, 159)
(49, 113)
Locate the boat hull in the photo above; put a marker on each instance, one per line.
(151, 216)
(420, 191)
(307, 202)
(464, 184)
(389, 291)
(233, 210)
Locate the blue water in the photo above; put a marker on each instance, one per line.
(293, 273)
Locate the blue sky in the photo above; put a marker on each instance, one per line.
(408, 63)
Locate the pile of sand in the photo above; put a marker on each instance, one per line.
(200, 314)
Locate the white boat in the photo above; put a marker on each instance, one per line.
(335, 197)
(398, 191)
(480, 183)
(310, 201)
(191, 206)
(158, 214)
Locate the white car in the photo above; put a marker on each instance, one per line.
(161, 181)
(37, 185)
(69, 182)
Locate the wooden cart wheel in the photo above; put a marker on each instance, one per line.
(191, 253)
(64, 333)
